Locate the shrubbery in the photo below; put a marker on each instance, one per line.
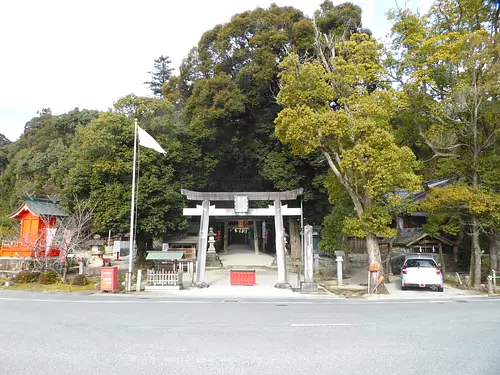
(48, 277)
(79, 280)
(24, 277)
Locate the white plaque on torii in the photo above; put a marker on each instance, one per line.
(240, 204)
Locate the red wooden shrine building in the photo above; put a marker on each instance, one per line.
(38, 222)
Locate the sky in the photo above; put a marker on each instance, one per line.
(62, 54)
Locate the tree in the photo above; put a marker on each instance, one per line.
(229, 83)
(447, 62)
(37, 160)
(3, 140)
(160, 75)
(70, 234)
(338, 105)
(231, 78)
(3, 152)
(339, 22)
(100, 170)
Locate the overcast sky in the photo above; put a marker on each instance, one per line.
(62, 54)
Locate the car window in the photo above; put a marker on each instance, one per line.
(420, 263)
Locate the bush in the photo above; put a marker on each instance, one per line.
(48, 277)
(24, 277)
(122, 278)
(79, 280)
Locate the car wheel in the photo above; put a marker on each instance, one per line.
(404, 287)
(441, 289)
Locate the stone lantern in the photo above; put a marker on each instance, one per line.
(213, 259)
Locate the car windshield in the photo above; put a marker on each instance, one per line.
(420, 263)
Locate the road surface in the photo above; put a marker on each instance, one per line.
(115, 334)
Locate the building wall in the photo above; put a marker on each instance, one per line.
(30, 227)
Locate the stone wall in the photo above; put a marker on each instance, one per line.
(358, 260)
(12, 264)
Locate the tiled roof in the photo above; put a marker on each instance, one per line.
(420, 195)
(410, 236)
(44, 207)
(40, 207)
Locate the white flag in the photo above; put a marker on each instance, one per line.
(147, 141)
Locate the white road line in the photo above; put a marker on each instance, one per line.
(327, 324)
(412, 302)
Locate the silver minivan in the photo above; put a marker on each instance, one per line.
(421, 271)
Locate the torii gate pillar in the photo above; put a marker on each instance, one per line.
(280, 247)
(202, 246)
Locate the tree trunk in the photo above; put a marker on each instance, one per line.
(475, 258)
(373, 251)
(441, 259)
(295, 252)
(143, 243)
(387, 268)
(65, 271)
(458, 241)
(495, 250)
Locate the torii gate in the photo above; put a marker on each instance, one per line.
(241, 208)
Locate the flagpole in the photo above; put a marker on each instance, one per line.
(132, 212)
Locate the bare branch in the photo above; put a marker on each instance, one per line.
(319, 46)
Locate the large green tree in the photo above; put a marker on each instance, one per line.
(447, 62)
(337, 105)
(100, 169)
(230, 82)
(36, 162)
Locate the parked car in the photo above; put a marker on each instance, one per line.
(421, 271)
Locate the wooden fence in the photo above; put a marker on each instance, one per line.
(163, 277)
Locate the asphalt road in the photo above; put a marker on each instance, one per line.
(68, 334)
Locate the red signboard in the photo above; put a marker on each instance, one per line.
(109, 279)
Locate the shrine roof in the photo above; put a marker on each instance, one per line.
(38, 207)
(412, 236)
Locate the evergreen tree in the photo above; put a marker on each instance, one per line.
(160, 76)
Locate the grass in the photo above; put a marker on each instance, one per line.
(53, 287)
(58, 287)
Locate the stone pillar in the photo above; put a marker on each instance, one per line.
(213, 259)
(280, 247)
(202, 246)
(308, 285)
(226, 236)
(264, 236)
(308, 261)
(295, 248)
(339, 259)
(255, 238)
